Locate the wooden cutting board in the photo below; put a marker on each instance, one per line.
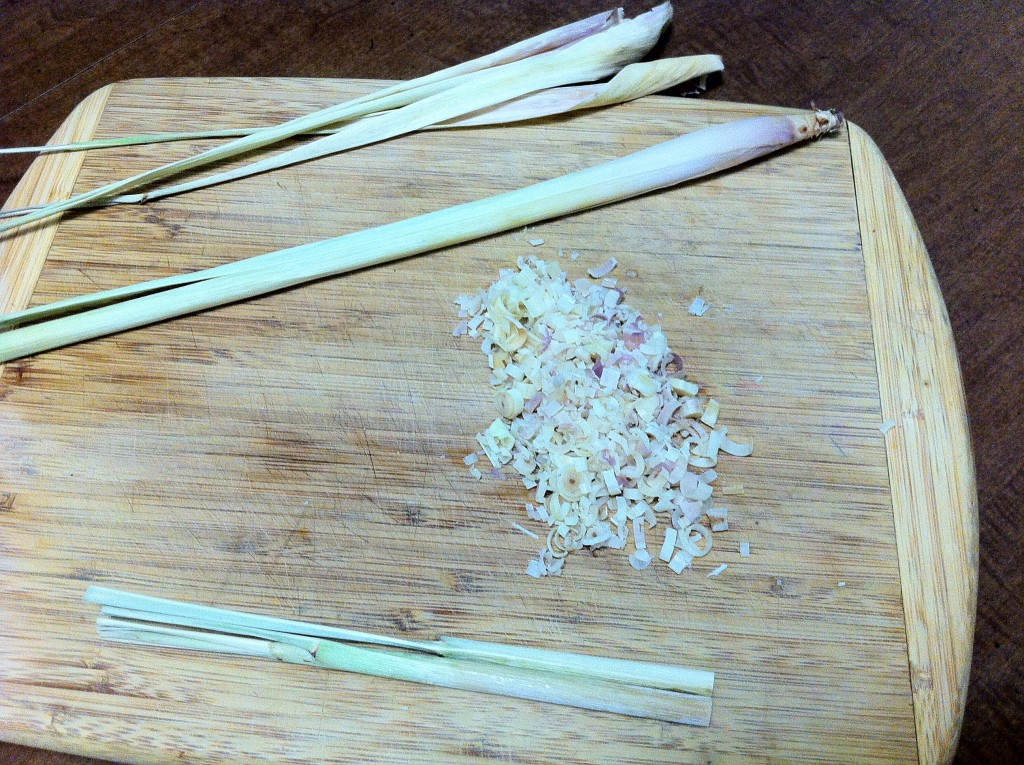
(301, 454)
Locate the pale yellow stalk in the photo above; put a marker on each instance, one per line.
(690, 156)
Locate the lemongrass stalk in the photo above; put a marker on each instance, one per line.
(690, 156)
(633, 82)
(475, 676)
(126, 605)
(593, 58)
(391, 97)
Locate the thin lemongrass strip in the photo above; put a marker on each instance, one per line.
(545, 103)
(598, 56)
(687, 157)
(554, 688)
(170, 637)
(391, 97)
(649, 674)
(161, 608)
(481, 677)
(130, 140)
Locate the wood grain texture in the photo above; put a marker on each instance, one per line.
(935, 83)
(929, 451)
(49, 178)
(306, 449)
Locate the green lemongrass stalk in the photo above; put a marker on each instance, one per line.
(633, 82)
(126, 605)
(577, 680)
(394, 96)
(690, 156)
(593, 58)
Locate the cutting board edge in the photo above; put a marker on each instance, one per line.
(50, 177)
(931, 464)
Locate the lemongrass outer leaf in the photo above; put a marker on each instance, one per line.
(170, 637)
(393, 96)
(544, 103)
(690, 156)
(646, 674)
(649, 674)
(633, 82)
(593, 58)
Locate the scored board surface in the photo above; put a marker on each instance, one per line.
(301, 455)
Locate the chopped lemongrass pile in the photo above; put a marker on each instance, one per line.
(685, 158)
(635, 688)
(596, 416)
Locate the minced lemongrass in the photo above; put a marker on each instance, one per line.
(603, 424)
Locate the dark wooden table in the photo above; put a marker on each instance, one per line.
(937, 84)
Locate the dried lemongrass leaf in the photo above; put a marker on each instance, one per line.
(391, 97)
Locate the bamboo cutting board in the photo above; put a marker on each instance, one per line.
(301, 454)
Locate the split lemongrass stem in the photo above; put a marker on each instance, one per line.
(131, 140)
(541, 682)
(480, 677)
(126, 605)
(391, 97)
(687, 157)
